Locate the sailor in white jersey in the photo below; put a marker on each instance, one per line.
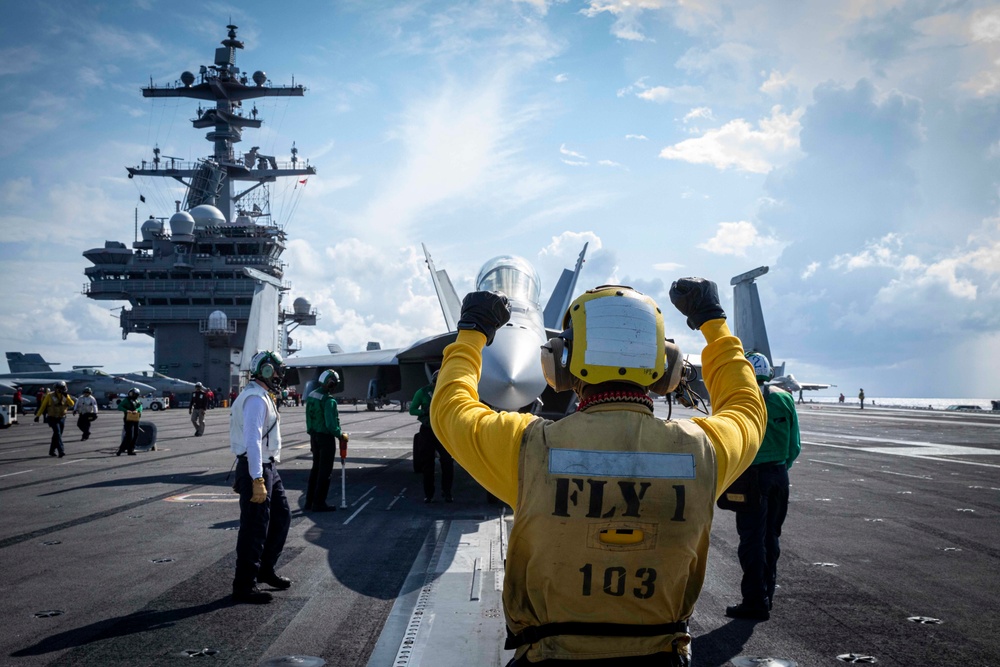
(255, 439)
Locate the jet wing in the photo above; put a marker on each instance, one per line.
(812, 386)
(375, 375)
(789, 383)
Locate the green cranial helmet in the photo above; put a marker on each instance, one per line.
(329, 378)
(269, 368)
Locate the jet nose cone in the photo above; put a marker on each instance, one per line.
(512, 373)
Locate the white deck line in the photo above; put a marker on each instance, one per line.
(448, 613)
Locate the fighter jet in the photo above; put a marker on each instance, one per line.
(163, 384)
(748, 326)
(30, 371)
(511, 377)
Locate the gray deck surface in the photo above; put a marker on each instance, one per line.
(894, 514)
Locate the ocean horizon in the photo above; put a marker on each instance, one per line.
(915, 403)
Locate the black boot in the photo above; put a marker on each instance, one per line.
(252, 595)
(743, 610)
(274, 580)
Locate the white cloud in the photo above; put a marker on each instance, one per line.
(561, 78)
(698, 112)
(810, 270)
(567, 245)
(960, 273)
(667, 266)
(609, 163)
(736, 238)
(627, 14)
(678, 94)
(569, 153)
(775, 83)
(541, 6)
(985, 26)
(738, 145)
(637, 137)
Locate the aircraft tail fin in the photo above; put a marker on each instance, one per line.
(262, 330)
(27, 363)
(563, 294)
(451, 307)
(748, 318)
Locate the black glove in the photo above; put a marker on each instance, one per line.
(485, 312)
(698, 300)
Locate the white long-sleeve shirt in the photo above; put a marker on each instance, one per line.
(86, 405)
(250, 428)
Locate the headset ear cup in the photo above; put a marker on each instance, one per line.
(555, 364)
(267, 371)
(673, 368)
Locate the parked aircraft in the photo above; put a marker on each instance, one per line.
(748, 326)
(30, 371)
(164, 384)
(511, 377)
(161, 384)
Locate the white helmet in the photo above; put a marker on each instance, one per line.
(761, 367)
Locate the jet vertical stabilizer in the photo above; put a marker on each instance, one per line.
(748, 326)
(563, 294)
(31, 362)
(262, 325)
(451, 307)
(748, 318)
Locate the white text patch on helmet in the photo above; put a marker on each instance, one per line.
(634, 465)
(620, 334)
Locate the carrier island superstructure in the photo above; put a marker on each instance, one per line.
(190, 280)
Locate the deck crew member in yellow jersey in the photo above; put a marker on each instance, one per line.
(612, 507)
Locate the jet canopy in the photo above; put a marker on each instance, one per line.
(513, 276)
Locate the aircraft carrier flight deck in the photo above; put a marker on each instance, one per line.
(889, 553)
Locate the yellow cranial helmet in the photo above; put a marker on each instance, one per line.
(612, 333)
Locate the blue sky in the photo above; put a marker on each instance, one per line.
(851, 145)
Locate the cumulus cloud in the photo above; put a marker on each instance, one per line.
(775, 83)
(738, 145)
(697, 113)
(737, 238)
(627, 13)
(678, 94)
(568, 245)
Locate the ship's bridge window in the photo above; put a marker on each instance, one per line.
(513, 276)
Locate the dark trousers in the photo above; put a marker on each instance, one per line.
(83, 423)
(129, 435)
(429, 445)
(655, 660)
(57, 424)
(263, 526)
(759, 532)
(324, 451)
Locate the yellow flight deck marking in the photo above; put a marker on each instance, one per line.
(204, 498)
